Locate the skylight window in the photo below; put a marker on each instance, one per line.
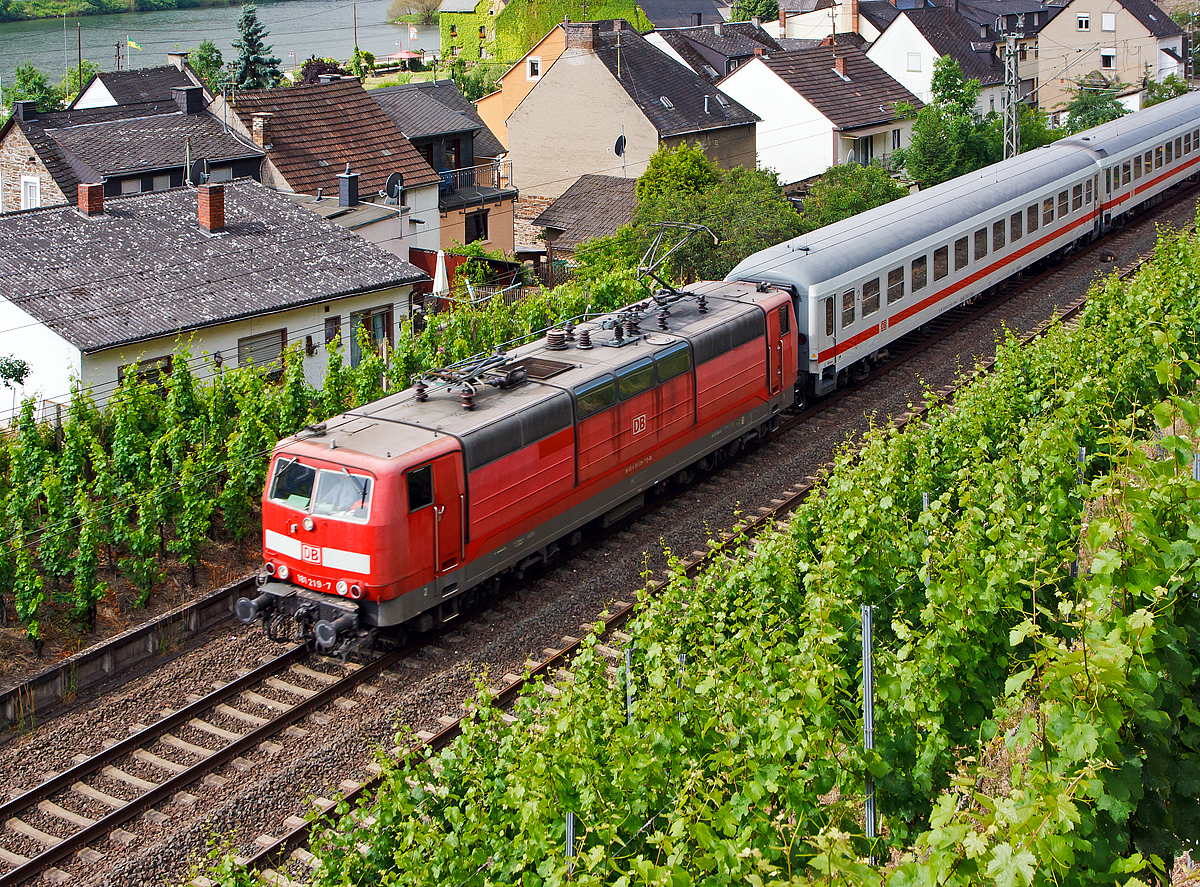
(666, 102)
(722, 101)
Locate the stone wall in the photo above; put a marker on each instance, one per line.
(15, 162)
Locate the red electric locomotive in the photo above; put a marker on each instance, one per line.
(395, 512)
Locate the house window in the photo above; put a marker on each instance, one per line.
(914, 61)
(1083, 22)
(1024, 51)
(31, 192)
(895, 140)
(454, 155)
(454, 30)
(533, 68)
(162, 183)
(333, 326)
(378, 323)
(477, 226)
(152, 370)
(454, 51)
(263, 349)
(1108, 21)
(131, 186)
(220, 174)
(483, 32)
(1108, 59)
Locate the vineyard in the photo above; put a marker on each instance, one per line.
(1030, 551)
(166, 470)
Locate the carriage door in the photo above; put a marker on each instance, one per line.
(449, 506)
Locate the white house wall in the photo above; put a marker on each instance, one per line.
(53, 361)
(891, 53)
(96, 96)
(794, 138)
(660, 42)
(423, 217)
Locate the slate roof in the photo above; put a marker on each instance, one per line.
(951, 34)
(799, 7)
(880, 13)
(649, 75)
(427, 109)
(708, 53)
(1153, 19)
(87, 145)
(316, 129)
(869, 97)
(142, 85)
(985, 12)
(145, 268)
(592, 207)
(680, 13)
(458, 6)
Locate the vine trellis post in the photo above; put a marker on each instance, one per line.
(868, 679)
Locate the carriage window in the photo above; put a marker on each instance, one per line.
(919, 273)
(1125, 173)
(1064, 204)
(941, 262)
(785, 320)
(341, 494)
(1170, 153)
(1108, 181)
(998, 235)
(1077, 197)
(960, 254)
(293, 483)
(674, 361)
(592, 397)
(635, 378)
(847, 308)
(870, 297)
(420, 488)
(1158, 155)
(1187, 143)
(1196, 138)
(1087, 191)
(895, 285)
(1137, 167)
(1178, 147)
(981, 243)
(1031, 218)
(1148, 163)
(829, 316)
(1014, 227)
(1047, 210)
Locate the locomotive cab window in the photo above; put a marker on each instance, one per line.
(673, 361)
(341, 494)
(919, 273)
(847, 308)
(1031, 218)
(592, 397)
(292, 483)
(420, 488)
(785, 321)
(870, 297)
(960, 254)
(635, 378)
(941, 262)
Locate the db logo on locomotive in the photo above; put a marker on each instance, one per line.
(310, 553)
(639, 423)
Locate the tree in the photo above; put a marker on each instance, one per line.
(313, 68)
(208, 62)
(32, 84)
(13, 371)
(424, 12)
(72, 81)
(744, 10)
(255, 67)
(362, 63)
(474, 82)
(949, 136)
(682, 170)
(1170, 87)
(1092, 105)
(846, 190)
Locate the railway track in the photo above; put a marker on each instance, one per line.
(280, 855)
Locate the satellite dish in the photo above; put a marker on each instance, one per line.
(394, 186)
(198, 174)
(619, 147)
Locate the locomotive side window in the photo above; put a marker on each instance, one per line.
(1187, 143)
(960, 254)
(1125, 173)
(293, 483)
(1064, 204)
(592, 397)
(1047, 210)
(673, 361)
(941, 262)
(980, 243)
(785, 320)
(895, 285)
(847, 308)
(1031, 218)
(1077, 197)
(1014, 228)
(920, 272)
(420, 488)
(635, 378)
(1196, 138)
(342, 494)
(998, 235)
(870, 297)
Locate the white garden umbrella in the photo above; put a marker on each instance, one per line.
(441, 279)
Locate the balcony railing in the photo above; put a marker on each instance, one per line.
(497, 175)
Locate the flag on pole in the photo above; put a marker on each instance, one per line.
(131, 43)
(412, 32)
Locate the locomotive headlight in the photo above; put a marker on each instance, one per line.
(342, 587)
(269, 569)
(282, 571)
(356, 591)
(308, 524)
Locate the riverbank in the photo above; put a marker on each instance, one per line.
(32, 10)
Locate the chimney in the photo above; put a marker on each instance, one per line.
(697, 19)
(177, 59)
(756, 21)
(348, 188)
(91, 199)
(827, 40)
(839, 64)
(260, 128)
(983, 32)
(782, 21)
(25, 109)
(189, 99)
(758, 50)
(212, 207)
(716, 27)
(854, 16)
(582, 35)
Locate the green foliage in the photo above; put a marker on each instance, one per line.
(1092, 105)
(69, 86)
(421, 12)
(949, 137)
(313, 68)
(362, 63)
(684, 169)
(1035, 130)
(28, 588)
(32, 84)
(13, 371)
(846, 190)
(950, 89)
(475, 81)
(744, 10)
(86, 589)
(208, 62)
(254, 67)
(1160, 90)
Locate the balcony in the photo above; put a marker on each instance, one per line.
(476, 185)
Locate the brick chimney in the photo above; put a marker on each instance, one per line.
(212, 207)
(582, 35)
(261, 129)
(854, 16)
(839, 64)
(91, 199)
(827, 40)
(189, 99)
(782, 21)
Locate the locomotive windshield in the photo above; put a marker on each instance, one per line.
(338, 493)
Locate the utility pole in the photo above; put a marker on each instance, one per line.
(118, 56)
(79, 42)
(1012, 91)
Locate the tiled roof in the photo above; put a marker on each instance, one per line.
(316, 129)
(144, 84)
(868, 96)
(649, 76)
(708, 52)
(985, 13)
(951, 34)
(799, 7)
(429, 109)
(1153, 19)
(680, 13)
(145, 267)
(592, 207)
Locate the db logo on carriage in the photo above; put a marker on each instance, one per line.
(310, 554)
(639, 423)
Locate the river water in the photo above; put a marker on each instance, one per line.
(297, 29)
